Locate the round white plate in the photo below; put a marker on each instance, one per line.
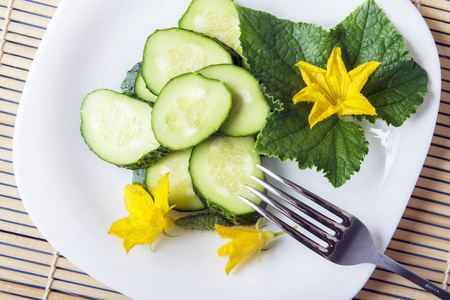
(73, 197)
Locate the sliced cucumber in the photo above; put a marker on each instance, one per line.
(250, 108)
(219, 168)
(189, 109)
(134, 85)
(117, 128)
(214, 18)
(174, 51)
(181, 193)
(142, 91)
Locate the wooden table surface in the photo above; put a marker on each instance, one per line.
(30, 268)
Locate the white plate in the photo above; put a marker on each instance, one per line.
(73, 197)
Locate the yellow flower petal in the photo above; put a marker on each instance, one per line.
(321, 112)
(140, 233)
(335, 90)
(119, 228)
(138, 202)
(168, 223)
(245, 241)
(335, 64)
(134, 232)
(359, 75)
(224, 250)
(309, 94)
(236, 232)
(147, 216)
(161, 194)
(337, 79)
(237, 255)
(310, 73)
(357, 105)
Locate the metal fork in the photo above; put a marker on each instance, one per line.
(350, 243)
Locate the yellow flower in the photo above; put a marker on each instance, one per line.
(147, 215)
(245, 241)
(335, 90)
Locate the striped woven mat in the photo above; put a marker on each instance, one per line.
(30, 268)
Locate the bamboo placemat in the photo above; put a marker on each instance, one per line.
(30, 268)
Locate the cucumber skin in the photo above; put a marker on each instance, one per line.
(149, 159)
(237, 59)
(244, 219)
(202, 222)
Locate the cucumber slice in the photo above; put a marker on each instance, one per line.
(219, 168)
(181, 193)
(189, 109)
(250, 108)
(141, 90)
(174, 51)
(117, 128)
(134, 85)
(214, 18)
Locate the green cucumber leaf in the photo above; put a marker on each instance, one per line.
(272, 47)
(335, 146)
(405, 89)
(398, 86)
(127, 85)
(138, 177)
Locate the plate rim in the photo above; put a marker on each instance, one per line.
(26, 93)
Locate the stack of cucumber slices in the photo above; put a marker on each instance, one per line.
(188, 109)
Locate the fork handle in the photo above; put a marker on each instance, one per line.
(391, 265)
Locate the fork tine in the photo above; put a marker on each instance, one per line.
(286, 228)
(318, 232)
(306, 209)
(344, 215)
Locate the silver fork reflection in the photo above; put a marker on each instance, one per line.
(347, 242)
